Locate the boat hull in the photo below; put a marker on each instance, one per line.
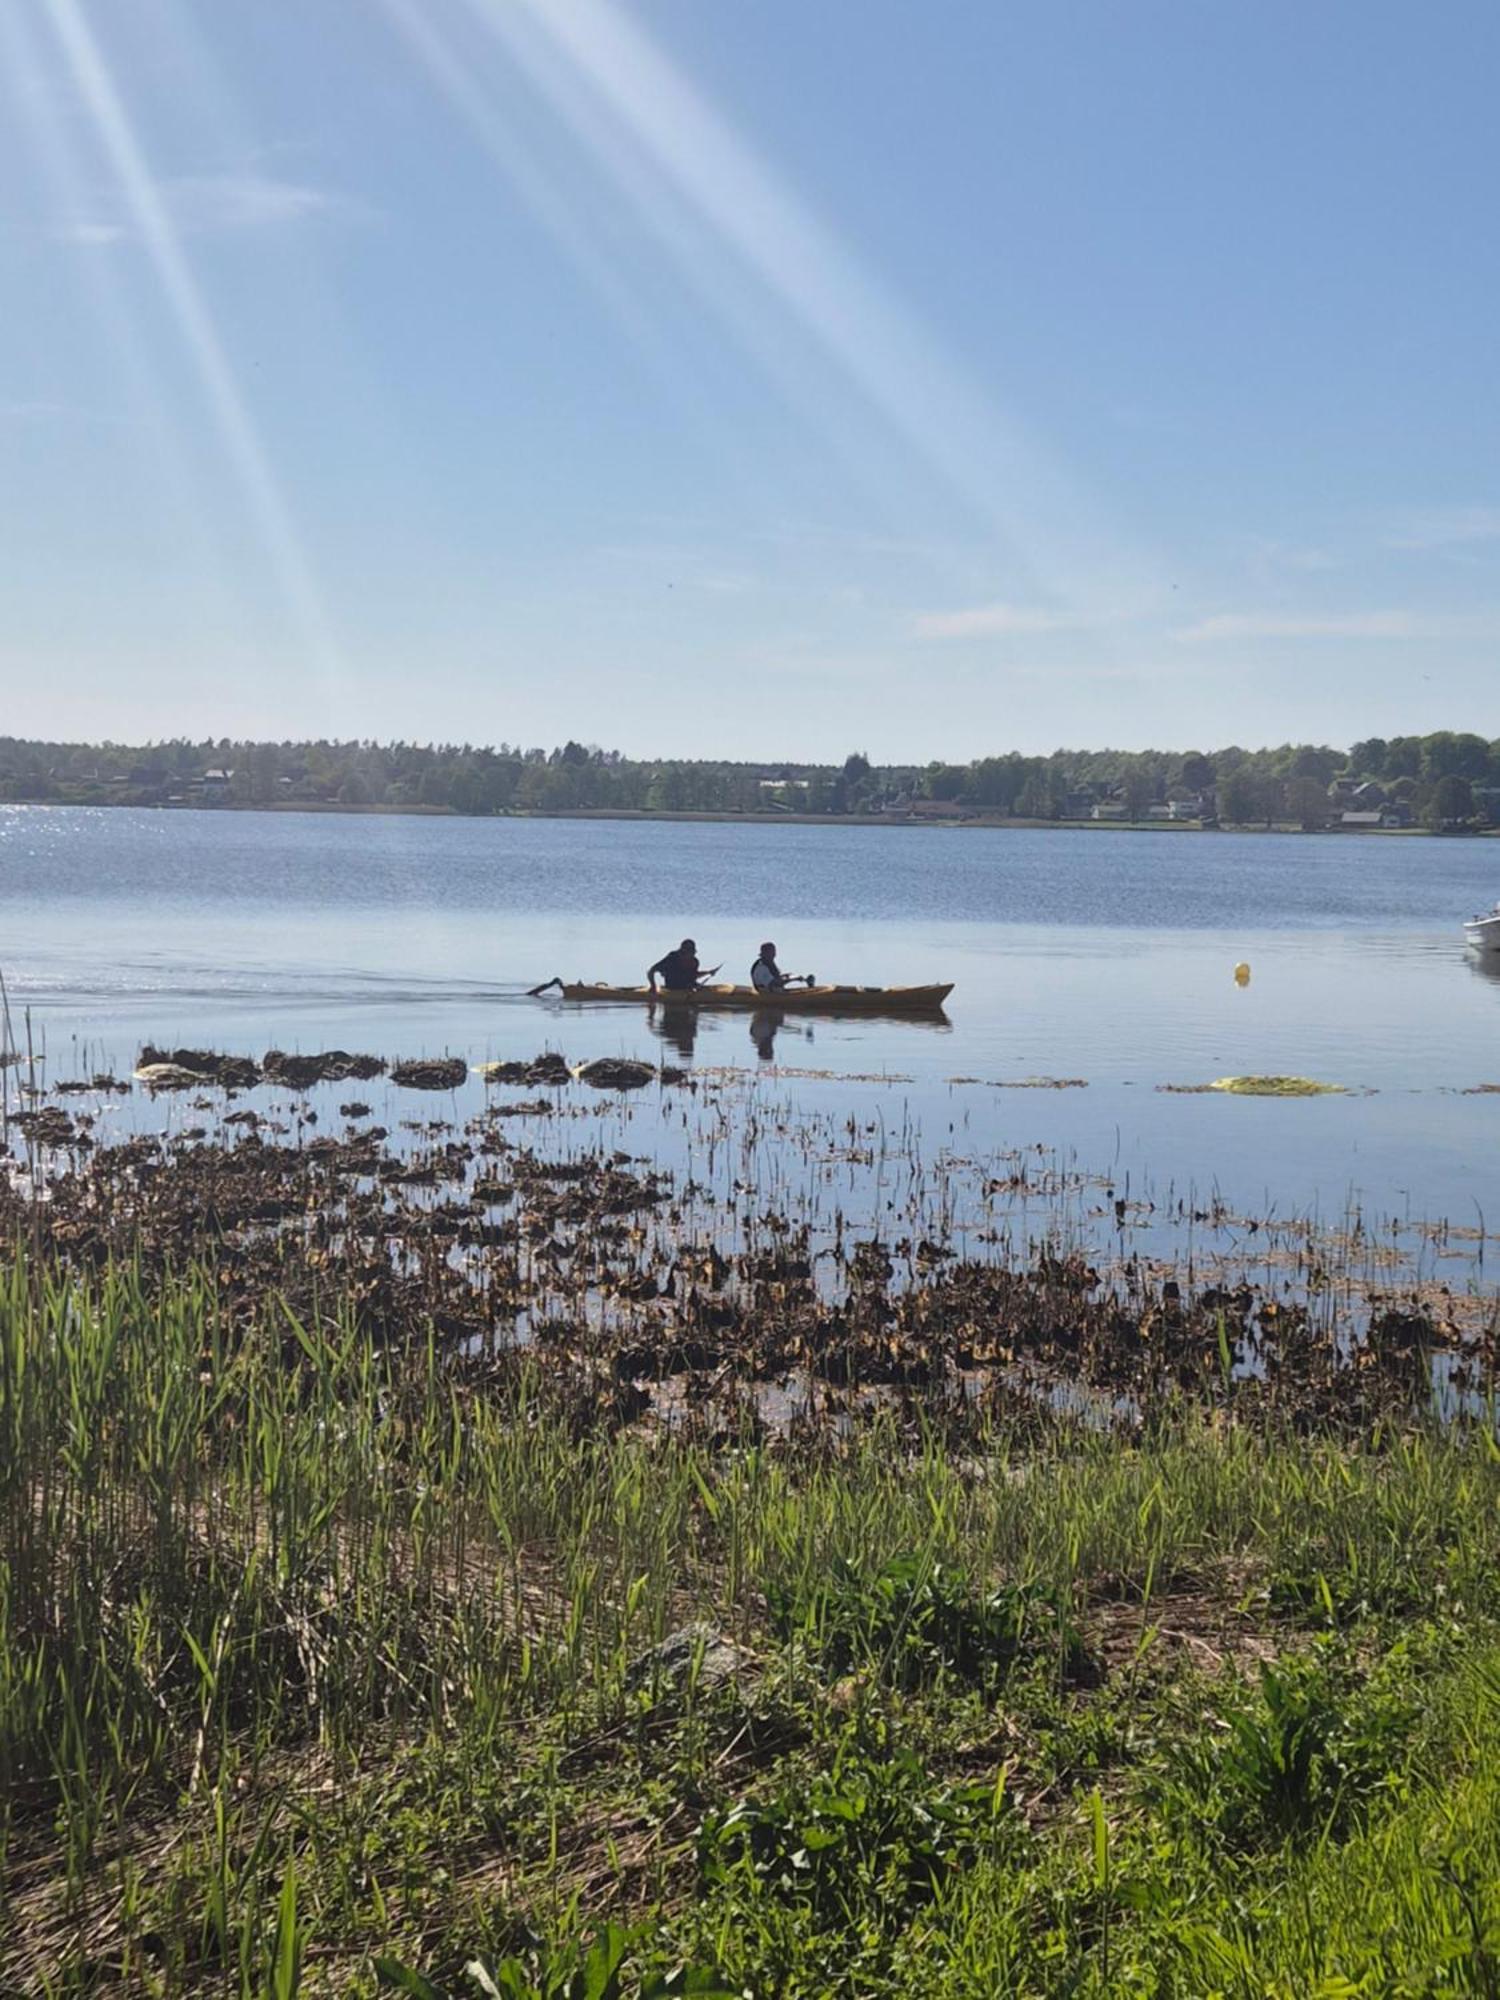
(792, 999)
(1483, 933)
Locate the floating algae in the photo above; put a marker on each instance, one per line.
(1025, 1082)
(1039, 1083)
(1276, 1086)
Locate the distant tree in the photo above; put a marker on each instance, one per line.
(858, 782)
(1034, 800)
(996, 782)
(946, 781)
(1452, 801)
(1446, 754)
(1197, 772)
(1241, 798)
(1367, 759)
(263, 767)
(1311, 760)
(668, 791)
(1306, 802)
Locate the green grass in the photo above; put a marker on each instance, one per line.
(317, 1655)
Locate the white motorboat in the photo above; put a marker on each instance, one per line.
(1484, 932)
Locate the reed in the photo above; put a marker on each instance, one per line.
(319, 1647)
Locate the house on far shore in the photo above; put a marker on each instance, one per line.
(930, 809)
(1366, 819)
(1186, 805)
(216, 784)
(1110, 809)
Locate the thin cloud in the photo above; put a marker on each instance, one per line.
(994, 621)
(223, 204)
(1341, 625)
(1448, 528)
(93, 235)
(41, 411)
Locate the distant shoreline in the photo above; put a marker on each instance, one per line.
(990, 822)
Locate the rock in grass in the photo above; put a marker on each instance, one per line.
(617, 1073)
(431, 1073)
(699, 1654)
(296, 1072)
(207, 1065)
(48, 1127)
(550, 1068)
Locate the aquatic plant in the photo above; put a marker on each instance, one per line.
(1276, 1086)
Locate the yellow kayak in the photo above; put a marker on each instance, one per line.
(799, 999)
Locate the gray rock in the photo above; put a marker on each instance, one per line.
(431, 1073)
(700, 1650)
(617, 1073)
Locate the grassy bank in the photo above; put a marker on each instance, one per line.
(318, 1650)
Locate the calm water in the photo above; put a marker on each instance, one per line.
(1101, 956)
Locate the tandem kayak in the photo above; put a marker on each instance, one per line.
(798, 999)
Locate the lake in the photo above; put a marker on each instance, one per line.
(1105, 958)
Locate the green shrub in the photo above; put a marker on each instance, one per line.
(1301, 1756)
(915, 1619)
(867, 1842)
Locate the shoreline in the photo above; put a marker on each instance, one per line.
(986, 821)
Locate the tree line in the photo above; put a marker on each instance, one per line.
(1445, 778)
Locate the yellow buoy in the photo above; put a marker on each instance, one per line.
(1242, 974)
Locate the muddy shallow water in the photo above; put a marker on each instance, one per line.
(786, 1263)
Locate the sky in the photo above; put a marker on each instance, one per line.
(750, 378)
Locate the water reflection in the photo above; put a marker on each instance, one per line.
(766, 1023)
(677, 1025)
(1486, 964)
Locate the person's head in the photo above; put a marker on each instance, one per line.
(768, 952)
(687, 945)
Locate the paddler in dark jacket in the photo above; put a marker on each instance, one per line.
(679, 970)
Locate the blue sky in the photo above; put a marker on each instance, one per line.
(750, 377)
